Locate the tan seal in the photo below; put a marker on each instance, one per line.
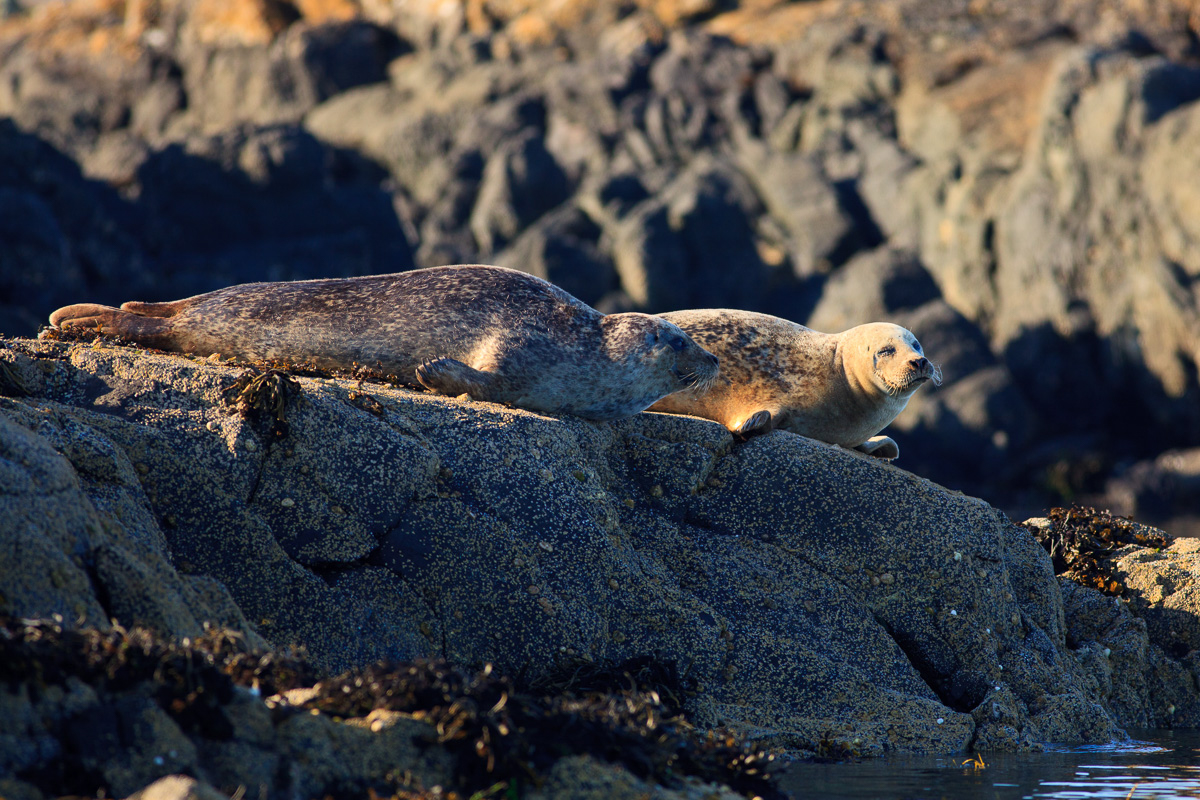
(495, 334)
(841, 388)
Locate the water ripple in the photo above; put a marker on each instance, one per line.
(1157, 764)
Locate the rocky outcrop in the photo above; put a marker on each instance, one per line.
(1130, 601)
(811, 594)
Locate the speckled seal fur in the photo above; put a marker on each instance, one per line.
(495, 334)
(841, 388)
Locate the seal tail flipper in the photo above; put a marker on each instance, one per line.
(450, 377)
(109, 321)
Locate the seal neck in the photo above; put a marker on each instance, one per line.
(860, 375)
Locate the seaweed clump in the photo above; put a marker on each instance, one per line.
(264, 394)
(192, 677)
(501, 738)
(502, 735)
(641, 674)
(1080, 540)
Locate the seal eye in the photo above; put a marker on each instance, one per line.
(887, 350)
(677, 343)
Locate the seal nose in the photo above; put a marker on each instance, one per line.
(920, 364)
(716, 362)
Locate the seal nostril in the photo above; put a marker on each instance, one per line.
(920, 363)
(713, 359)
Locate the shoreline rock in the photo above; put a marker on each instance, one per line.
(1132, 617)
(417, 523)
(815, 599)
(124, 712)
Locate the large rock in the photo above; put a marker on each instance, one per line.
(271, 203)
(280, 77)
(1134, 628)
(80, 539)
(59, 232)
(692, 245)
(811, 593)
(1162, 489)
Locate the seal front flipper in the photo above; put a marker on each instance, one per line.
(880, 447)
(758, 422)
(451, 377)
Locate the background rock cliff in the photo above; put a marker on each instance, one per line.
(1016, 182)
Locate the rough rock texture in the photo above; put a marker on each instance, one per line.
(813, 595)
(1141, 649)
(124, 741)
(1016, 179)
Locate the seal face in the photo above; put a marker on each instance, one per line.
(839, 388)
(493, 333)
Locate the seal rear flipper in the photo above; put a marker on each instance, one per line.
(881, 447)
(158, 309)
(78, 313)
(451, 377)
(109, 321)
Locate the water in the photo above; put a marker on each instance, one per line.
(1156, 764)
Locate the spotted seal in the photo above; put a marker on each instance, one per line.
(841, 388)
(493, 333)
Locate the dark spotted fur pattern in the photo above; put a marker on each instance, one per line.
(496, 334)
